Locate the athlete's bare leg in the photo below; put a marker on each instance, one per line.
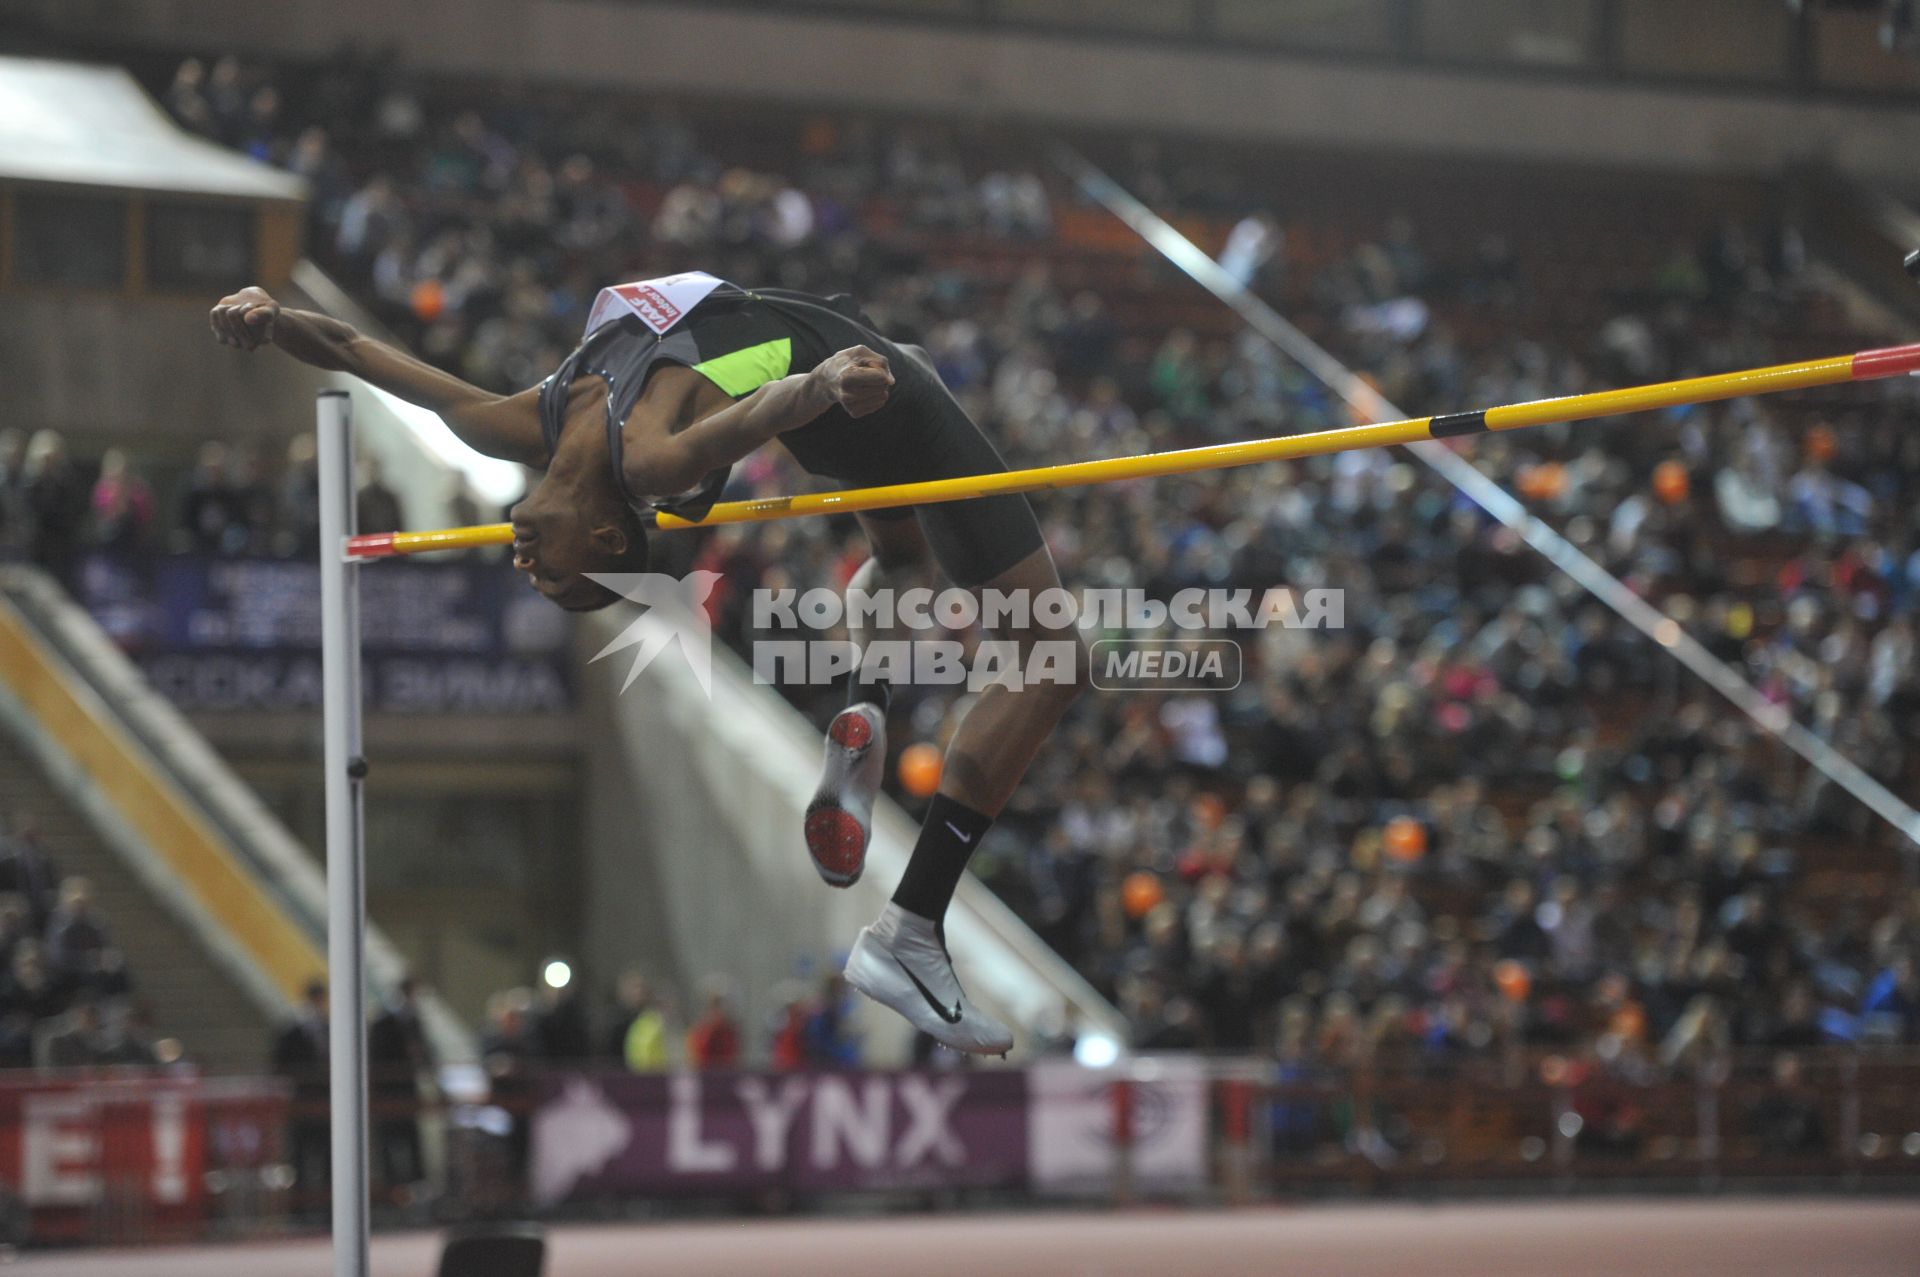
(997, 740)
(901, 961)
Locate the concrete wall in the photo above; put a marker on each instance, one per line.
(104, 370)
(993, 75)
(166, 378)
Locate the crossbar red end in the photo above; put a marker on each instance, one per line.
(371, 545)
(1891, 362)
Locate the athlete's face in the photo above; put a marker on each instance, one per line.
(555, 542)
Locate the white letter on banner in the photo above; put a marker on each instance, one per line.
(1327, 609)
(770, 606)
(779, 661)
(1055, 609)
(838, 1122)
(939, 663)
(1102, 609)
(1277, 605)
(1229, 610)
(830, 658)
(996, 662)
(1144, 613)
(911, 608)
(1189, 609)
(956, 609)
(59, 1152)
(888, 661)
(820, 608)
(169, 1148)
(929, 1105)
(1052, 661)
(869, 609)
(1004, 609)
(771, 1116)
(686, 1153)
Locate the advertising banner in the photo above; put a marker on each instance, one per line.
(1072, 1118)
(244, 634)
(599, 1136)
(126, 1158)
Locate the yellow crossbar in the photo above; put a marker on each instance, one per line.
(1862, 366)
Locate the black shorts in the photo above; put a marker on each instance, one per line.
(924, 433)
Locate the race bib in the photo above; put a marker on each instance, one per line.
(659, 303)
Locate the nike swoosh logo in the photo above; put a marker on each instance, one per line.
(964, 838)
(951, 1017)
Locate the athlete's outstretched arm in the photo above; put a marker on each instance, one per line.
(504, 426)
(676, 436)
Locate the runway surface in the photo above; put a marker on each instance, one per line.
(1735, 1238)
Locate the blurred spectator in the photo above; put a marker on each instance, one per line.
(640, 1031)
(214, 510)
(399, 1062)
(70, 1041)
(828, 1038)
(560, 1030)
(29, 990)
(378, 507)
(56, 503)
(28, 872)
(300, 1054)
(299, 505)
(93, 1034)
(787, 1043)
(122, 508)
(80, 948)
(16, 517)
(1786, 1120)
(714, 1040)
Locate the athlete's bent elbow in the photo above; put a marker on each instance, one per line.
(662, 472)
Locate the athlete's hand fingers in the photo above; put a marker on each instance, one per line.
(862, 357)
(256, 325)
(238, 331)
(222, 321)
(230, 323)
(865, 377)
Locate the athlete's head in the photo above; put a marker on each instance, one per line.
(560, 535)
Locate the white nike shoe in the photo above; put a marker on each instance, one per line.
(901, 962)
(839, 820)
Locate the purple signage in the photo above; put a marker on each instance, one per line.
(243, 635)
(617, 1135)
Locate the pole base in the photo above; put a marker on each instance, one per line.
(494, 1250)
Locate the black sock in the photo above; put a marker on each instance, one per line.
(947, 840)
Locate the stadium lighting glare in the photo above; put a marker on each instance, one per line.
(557, 974)
(1096, 1051)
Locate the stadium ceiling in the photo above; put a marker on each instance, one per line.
(80, 125)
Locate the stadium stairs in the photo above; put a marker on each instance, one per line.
(185, 994)
(220, 912)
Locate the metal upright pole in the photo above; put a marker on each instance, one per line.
(346, 853)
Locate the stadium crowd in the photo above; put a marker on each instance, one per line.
(66, 996)
(1485, 813)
